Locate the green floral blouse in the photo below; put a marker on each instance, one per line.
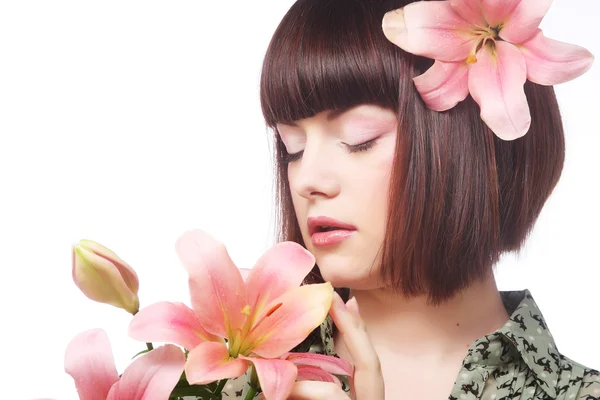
(519, 361)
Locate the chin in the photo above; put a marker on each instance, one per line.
(348, 275)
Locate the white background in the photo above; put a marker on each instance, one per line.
(129, 122)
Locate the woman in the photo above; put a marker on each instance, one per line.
(410, 208)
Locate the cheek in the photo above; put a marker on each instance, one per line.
(375, 185)
(299, 203)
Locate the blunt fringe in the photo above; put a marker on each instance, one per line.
(460, 196)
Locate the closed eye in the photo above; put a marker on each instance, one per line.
(362, 146)
(288, 158)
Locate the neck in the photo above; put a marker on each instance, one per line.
(413, 327)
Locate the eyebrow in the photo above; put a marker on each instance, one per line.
(331, 115)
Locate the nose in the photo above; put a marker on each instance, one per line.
(315, 174)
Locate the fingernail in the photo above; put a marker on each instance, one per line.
(393, 21)
(352, 305)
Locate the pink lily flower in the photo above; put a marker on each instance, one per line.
(319, 367)
(89, 360)
(487, 48)
(261, 318)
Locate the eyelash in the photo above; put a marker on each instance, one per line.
(288, 158)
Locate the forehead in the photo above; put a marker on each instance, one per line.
(365, 114)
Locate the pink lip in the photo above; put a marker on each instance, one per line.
(330, 237)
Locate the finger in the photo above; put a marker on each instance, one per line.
(368, 380)
(352, 305)
(354, 334)
(314, 390)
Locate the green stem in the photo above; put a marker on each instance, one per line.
(254, 384)
(220, 387)
(254, 378)
(251, 393)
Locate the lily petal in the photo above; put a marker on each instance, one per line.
(151, 376)
(333, 365)
(494, 12)
(306, 373)
(245, 272)
(430, 29)
(169, 322)
(524, 20)
(443, 85)
(470, 10)
(89, 360)
(210, 361)
(550, 62)
(217, 290)
(283, 267)
(290, 320)
(276, 377)
(496, 83)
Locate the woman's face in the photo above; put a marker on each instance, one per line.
(339, 168)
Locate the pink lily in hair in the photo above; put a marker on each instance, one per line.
(261, 317)
(487, 48)
(89, 360)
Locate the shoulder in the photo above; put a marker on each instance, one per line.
(590, 385)
(578, 381)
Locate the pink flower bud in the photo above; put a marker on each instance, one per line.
(104, 277)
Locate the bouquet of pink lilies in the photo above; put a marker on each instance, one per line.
(239, 319)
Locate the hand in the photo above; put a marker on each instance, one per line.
(367, 382)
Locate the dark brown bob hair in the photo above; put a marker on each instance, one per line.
(460, 196)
